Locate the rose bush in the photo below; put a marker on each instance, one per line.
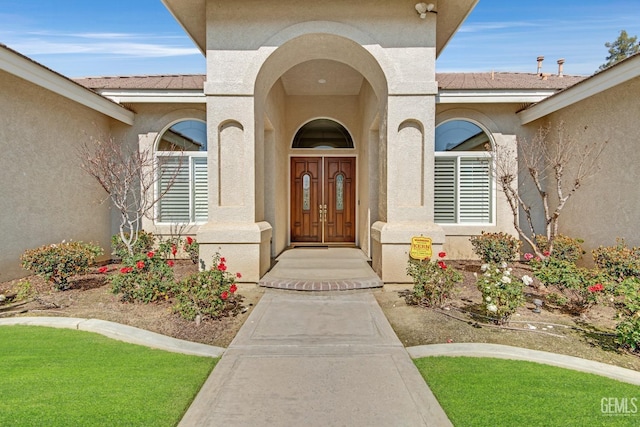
(433, 282)
(208, 294)
(144, 277)
(502, 293)
(59, 262)
(495, 248)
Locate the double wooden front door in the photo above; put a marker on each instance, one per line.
(323, 199)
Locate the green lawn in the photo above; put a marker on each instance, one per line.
(496, 392)
(60, 377)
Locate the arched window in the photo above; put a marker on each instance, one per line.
(323, 134)
(182, 164)
(463, 174)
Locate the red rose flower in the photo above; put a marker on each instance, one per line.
(233, 288)
(546, 253)
(239, 276)
(189, 240)
(224, 295)
(140, 265)
(442, 265)
(150, 254)
(125, 270)
(222, 267)
(223, 260)
(170, 263)
(102, 270)
(596, 288)
(442, 254)
(174, 250)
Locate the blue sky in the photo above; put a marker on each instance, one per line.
(132, 37)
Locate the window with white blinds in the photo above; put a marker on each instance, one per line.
(183, 181)
(463, 188)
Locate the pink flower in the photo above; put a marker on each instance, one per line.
(140, 265)
(150, 254)
(546, 253)
(189, 240)
(442, 265)
(170, 263)
(233, 288)
(224, 295)
(222, 267)
(442, 254)
(102, 269)
(528, 256)
(239, 276)
(174, 250)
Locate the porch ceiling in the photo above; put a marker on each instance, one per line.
(191, 14)
(322, 77)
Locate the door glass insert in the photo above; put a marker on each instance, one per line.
(306, 192)
(340, 192)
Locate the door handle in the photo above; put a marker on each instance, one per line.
(323, 213)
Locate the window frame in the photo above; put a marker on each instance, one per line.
(458, 157)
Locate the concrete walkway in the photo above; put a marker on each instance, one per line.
(315, 359)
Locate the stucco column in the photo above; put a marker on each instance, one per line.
(409, 185)
(232, 229)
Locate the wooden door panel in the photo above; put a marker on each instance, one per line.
(340, 195)
(306, 180)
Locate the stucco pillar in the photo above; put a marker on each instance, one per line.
(409, 186)
(233, 230)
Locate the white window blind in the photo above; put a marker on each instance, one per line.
(463, 191)
(183, 181)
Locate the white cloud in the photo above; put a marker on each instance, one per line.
(121, 44)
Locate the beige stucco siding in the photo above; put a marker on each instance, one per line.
(45, 196)
(607, 205)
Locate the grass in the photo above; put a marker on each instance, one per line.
(60, 377)
(497, 392)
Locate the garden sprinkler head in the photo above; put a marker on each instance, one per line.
(538, 304)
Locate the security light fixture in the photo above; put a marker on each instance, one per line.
(424, 8)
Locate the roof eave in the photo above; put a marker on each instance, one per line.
(191, 15)
(187, 13)
(151, 96)
(492, 96)
(446, 29)
(29, 70)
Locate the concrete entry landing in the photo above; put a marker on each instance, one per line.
(321, 269)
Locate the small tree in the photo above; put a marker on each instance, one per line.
(129, 177)
(623, 47)
(560, 163)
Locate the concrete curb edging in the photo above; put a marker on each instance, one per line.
(500, 351)
(120, 332)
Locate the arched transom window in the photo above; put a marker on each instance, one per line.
(322, 134)
(463, 174)
(182, 163)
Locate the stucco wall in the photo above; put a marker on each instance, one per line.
(607, 205)
(45, 196)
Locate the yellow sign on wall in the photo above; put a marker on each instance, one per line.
(420, 248)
